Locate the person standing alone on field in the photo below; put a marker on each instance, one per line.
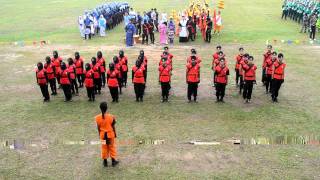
(107, 133)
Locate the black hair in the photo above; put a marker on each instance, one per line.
(218, 47)
(48, 59)
(280, 55)
(241, 48)
(103, 108)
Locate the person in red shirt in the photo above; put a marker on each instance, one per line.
(194, 56)
(124, 66)
(249, 78)
(95, 66)
(138, 79)
(216, 55)
(78, 61)
(144, 63)
(222, 73)
(113, 83)
(165, 79)
(118, 67)
(101, 61)
(166, 49)
(216, 62)
(193, 79)
(65, 82)
(269, 71)
(277, 77)
(238, 64)
(241, 71)
(166, 56)
(266, 56)
(72, 73)
(88, 82)
(57, 60)
(51, 71)
(42, 81)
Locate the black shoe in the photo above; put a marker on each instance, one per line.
(114, 162)
(105, 163)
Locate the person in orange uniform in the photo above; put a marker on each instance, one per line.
(238, 58)
(144, 63)
(101, 61)
(165, 56)
(124, 66)
(42, 81)
(118, 67)
(249, 79)
(269, 70)
(216, 54)
(107, 134)
(194, 56)
(165, 79)
(78, 61)
(278, 77)
(193, 78)
(95, 66)
(138, 79)
(56, 60)
(50, 70)
(113, 82)
(166, 49)
(65, 82)
(72, 73)
(216, 62)
(243, 62)
(266, 56)
(89, 82)
(222, 73)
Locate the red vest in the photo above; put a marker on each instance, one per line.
(41, 76)
(71, 71)
(56, 63)
(124, 63)
(269, 66)
(279, 71)
(165, 74)
(215, 56)
(96, 70)
(113, 78)
(222, 75)
(50, 70)
(89, 79)
(198, 60)
(138, 74)
(249, 72)
(64, 79)
(193, 73)
(102, 64)
(238, 61)
(79, 66)
(118, 67)
(266, 56)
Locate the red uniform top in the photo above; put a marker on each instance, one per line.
(221, 74)
(118, 67)
(279, 70)
(138, 74)
(79, 66)
(215, 56)
(64, 77)
(166, 62)
(57, 63)
(249, 72)
(41, 77)
(124, 63)
(169, 60)
(164, 74)
(102, 64)
(89, 78)
(269, 66)
(72, 71)
(96, 70)
(266, 56)
(238, 61)
(145, 62)
(112, 78)
(198, 59)
(50, 69)
(193, 73)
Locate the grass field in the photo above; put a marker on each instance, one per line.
(25, 118)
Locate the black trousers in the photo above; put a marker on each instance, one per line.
(145, 38)
(80, 78)
(74, 86)
(192, 90)
(191, 36)
(67, 91)
(284, 14)
(208, 35)
(120, 85)
(165, 88)
(45, 92)
(103, 79)
(247, 91)
(220, 90)
(276, 84)
(313, 32)
(114, 93)
(138, 29)
(139, 90)
(241, 86)
(263, 78)
(268, 82)
(124, 78)
(97, 85)
(152, 37)
(237, 76)
(90, 93)
(53, 85)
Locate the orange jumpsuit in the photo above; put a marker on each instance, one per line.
(105, 127)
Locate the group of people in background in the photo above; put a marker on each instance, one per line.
(304, 12)
(103, 17)
(94, 76)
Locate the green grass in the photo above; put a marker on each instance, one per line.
(25, 117)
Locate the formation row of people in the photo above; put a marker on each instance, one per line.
(95, 75)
